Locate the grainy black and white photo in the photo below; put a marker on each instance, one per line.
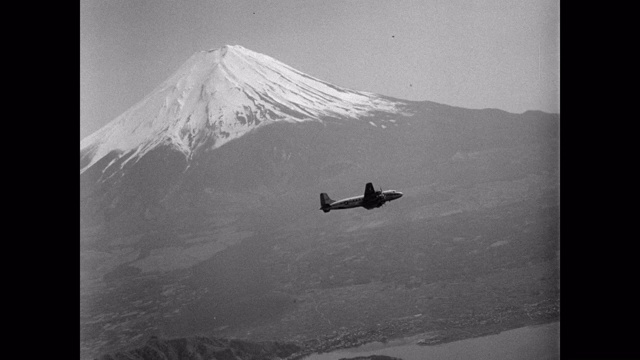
(319, 180)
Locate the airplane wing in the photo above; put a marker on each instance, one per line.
(369, 192)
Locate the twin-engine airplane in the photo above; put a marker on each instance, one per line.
(370, 200)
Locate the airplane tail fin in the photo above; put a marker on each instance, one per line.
(325, 200)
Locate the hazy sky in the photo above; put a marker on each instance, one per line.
(476, 54)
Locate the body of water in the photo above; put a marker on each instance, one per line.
(540, 342)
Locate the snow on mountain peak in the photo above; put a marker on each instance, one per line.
(220, 95)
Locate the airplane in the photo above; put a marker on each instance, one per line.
(370, 200)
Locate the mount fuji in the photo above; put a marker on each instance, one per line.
(199, 213)
(218, 96)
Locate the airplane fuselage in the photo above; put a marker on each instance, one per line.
(368, 201)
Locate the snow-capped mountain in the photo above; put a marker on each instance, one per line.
(220, 95)
(235, 121)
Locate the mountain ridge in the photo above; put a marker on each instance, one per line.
(199, 347)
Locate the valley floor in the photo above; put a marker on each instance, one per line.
(487, 267)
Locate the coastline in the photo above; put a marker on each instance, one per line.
(540, 340)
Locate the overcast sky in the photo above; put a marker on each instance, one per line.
(476, 54)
